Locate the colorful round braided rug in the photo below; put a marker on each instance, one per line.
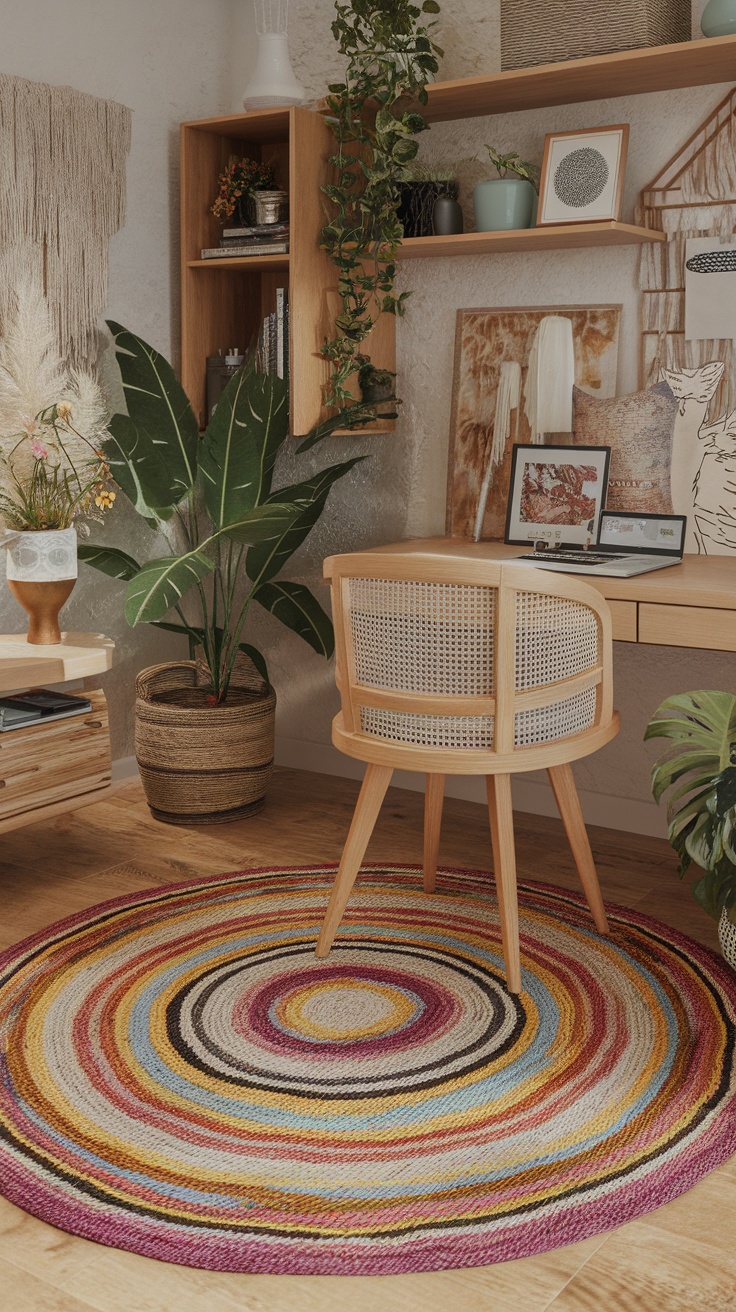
(182, 1078)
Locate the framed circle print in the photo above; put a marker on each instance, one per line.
(583, 175)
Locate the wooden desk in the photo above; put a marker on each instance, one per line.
(687, 605)
(58, 766)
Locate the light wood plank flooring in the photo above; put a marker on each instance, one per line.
(678, 1259)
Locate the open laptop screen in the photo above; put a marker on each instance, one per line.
(651, 535)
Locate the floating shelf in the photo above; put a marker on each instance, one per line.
(242, 262)
(569, 236)
(626, 73)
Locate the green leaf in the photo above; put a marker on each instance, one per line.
(162, 583)
(701, 727)
(108, 560)
(238, 451)
(265, 560)
(158, 406)
(140, 470)
(265, 524)
(299, 610)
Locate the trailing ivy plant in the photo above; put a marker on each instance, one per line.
(390, 57)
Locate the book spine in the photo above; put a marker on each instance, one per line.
(280, 331)
(257, 248)
(272, 358)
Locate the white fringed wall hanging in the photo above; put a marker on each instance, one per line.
(693, 196)
(62, 197)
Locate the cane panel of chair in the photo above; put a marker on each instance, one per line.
(460, 663)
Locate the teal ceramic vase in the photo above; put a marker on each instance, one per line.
(719, 18)
(503, 204)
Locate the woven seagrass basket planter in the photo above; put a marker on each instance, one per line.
(203, 764)
(548, 31)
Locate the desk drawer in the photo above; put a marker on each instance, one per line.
(623, 614)
(688, 626)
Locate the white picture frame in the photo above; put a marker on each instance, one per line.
(582, 177)
(557, 494)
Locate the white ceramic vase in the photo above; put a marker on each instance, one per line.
(273, 81)
(41, 573)
(727, 937)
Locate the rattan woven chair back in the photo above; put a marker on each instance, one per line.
(460, 666)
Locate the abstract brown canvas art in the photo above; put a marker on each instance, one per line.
(486, 340)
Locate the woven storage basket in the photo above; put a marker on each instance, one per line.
(203, 765)
(548, 31)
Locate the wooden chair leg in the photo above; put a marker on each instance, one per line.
(433, 800)
(500, 811)
(377, 779)
(566, 795)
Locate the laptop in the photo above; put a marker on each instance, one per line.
(628, 544)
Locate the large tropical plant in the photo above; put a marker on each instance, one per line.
(390, 57)
(701, 761)
(229, 532)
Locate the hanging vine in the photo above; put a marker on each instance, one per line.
(391, 57)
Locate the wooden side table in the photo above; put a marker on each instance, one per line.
(50, 768)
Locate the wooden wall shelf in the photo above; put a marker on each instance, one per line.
(225, 300)
(627, 73)
(570, 236)
(254, 262)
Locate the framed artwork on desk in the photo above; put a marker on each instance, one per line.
(557, 494)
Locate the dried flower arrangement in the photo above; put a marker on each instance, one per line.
(238, 182)
(53, 422)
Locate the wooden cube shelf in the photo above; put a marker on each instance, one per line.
(225, 300)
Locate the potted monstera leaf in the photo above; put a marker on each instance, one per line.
(205, 727)
(701, 762)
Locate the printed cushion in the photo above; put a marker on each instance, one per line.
(639, 430)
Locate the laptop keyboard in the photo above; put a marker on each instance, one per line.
(574, 557)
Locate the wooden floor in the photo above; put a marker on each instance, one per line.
(678, 1259)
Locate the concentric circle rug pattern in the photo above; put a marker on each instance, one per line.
(182, 1078)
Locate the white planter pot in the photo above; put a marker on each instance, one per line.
(727, 936)
(43, 557)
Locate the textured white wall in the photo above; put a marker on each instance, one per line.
(168, 60)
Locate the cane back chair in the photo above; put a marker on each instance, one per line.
(462, 666)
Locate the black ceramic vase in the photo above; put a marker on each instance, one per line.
(447, 217)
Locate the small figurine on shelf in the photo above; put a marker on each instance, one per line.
(239, 183)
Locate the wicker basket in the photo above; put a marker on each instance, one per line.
(546, 33)
(199, 764)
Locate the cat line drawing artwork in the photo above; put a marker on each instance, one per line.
(703, 463)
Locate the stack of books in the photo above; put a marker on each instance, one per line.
(273, 339)
(259, 239)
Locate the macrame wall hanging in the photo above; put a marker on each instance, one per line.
(693, 196)
(62, 196)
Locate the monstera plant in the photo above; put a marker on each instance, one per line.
(701, 762)
(228, 534)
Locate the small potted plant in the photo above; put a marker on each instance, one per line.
(376, 385)
(205, 726)
(419, 190)
(53, 475)
(701, 814)
(506, 203)
(241, 185)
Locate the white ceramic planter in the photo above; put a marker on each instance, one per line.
(727, 936)
(43, 557)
